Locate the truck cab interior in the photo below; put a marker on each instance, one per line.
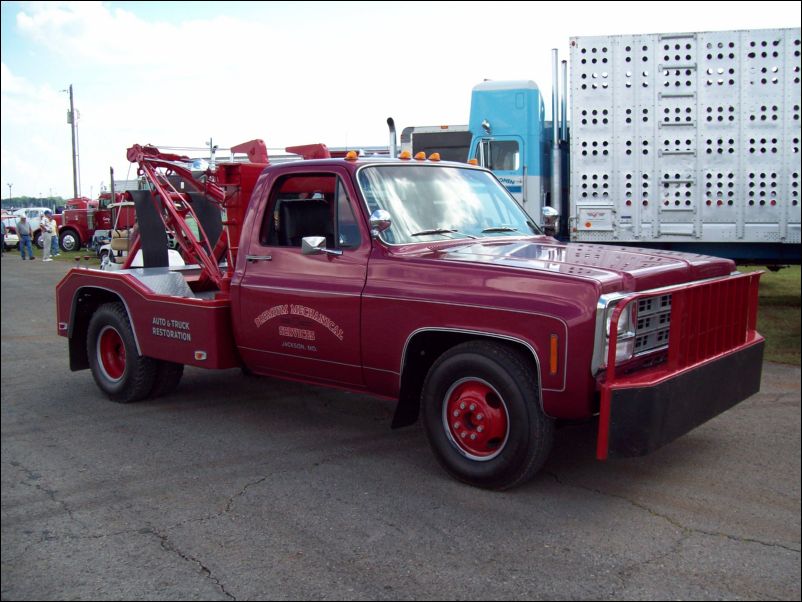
(307, 205)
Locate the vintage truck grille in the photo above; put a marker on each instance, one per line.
(653, 322)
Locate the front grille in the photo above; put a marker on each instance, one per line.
(653, 323)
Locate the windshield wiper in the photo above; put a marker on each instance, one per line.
(500, 229)
(440, 231)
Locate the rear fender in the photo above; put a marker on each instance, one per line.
(85, 302)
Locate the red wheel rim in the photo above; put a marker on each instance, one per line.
(475, 419)
(111, 353)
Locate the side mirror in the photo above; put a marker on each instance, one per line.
(380, 220)
(315, 245)
(551, 220)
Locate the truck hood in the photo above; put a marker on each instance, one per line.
(615, 268)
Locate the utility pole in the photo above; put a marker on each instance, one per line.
(9, 184)
(71, 121)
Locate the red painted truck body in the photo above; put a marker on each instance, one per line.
(82, 217)
(383, 318)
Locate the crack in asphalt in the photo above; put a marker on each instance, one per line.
(30, 476)
(168, 546)
(673, 521)
(626, 573)
(240, 493)
(198, 519)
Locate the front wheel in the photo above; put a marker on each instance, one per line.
(482, 415)
(118, 369)
(69, 241)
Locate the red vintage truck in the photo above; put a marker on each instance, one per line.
(420, 281)
(82, 217)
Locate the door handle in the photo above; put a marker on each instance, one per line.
(255, 258)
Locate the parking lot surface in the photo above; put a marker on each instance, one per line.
(239, 487)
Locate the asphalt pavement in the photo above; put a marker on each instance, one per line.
(238, 488)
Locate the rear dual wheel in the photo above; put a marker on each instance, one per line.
(482, 415)
(118, 369)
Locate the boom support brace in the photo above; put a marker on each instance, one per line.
(175, 208)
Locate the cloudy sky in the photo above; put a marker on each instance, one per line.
(180, 73)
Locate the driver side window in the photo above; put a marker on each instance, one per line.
(309, 205)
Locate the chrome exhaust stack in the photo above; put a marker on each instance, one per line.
(393, 141)
(556, 166)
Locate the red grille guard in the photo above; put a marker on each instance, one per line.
(709, 321)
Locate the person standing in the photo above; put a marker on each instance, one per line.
(24, 232)
(46, 225)
(55, 251)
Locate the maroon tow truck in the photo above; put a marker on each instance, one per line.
(420, 281)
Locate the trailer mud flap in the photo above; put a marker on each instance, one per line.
(640, 419)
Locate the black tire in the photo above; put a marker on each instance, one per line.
(119, 371)
(502, 385)
(69, 240)
(39, 239)
(168, 376)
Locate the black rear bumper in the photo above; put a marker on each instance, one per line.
(643, 419)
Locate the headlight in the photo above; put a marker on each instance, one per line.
(624, 321)
(625, 339)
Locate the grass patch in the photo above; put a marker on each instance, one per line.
(70, 257)
(778, 316)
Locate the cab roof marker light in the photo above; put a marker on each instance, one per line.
(434, 157)
(473, 161)
(351, 156)
(405, 155)
(421, 156)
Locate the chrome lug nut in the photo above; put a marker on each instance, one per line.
(480, 416)
(473, 407)
(456, 413)
(480, 428)
(473, 437)
(456, 426)
(464, 434)
(462, 406)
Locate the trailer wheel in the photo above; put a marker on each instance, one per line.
(69, 241)
(482, 415)
(168, 376)
(118, 369)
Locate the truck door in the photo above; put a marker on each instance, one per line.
(503, 156)
(300, 312)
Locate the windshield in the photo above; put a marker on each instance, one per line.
(441, 202)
